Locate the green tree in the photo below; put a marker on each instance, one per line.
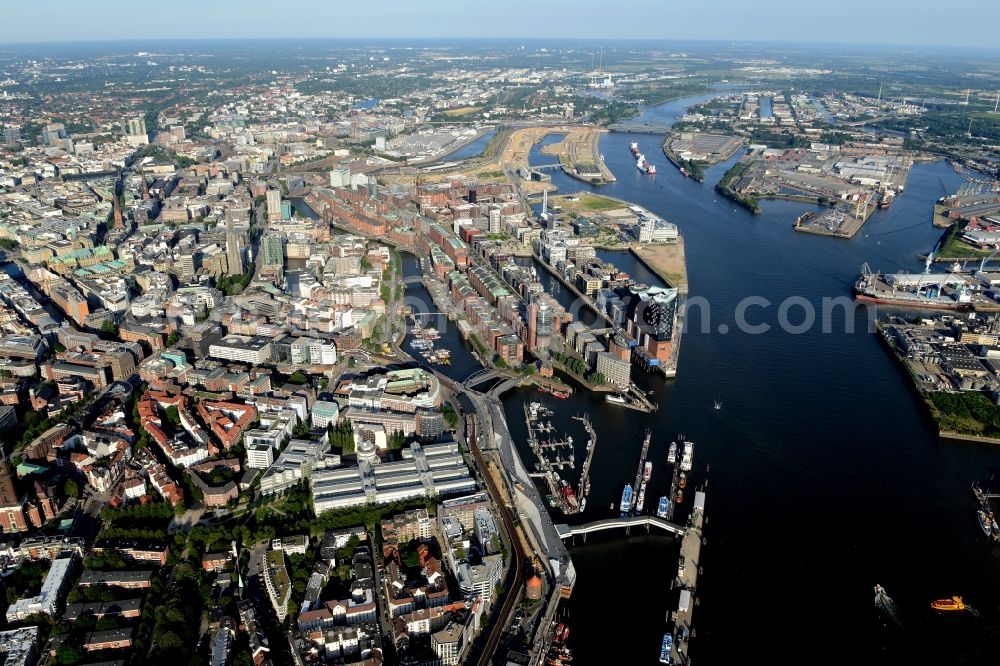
(450, 415)
(71, 489)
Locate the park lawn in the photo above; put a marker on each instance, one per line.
(598, 203)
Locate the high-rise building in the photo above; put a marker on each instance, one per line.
(53, 134)
(651, 316)
(11, 135)
(340, 177)
(135, 131)
(135, 126)
(273, 205)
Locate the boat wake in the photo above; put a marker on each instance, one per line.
(885, 604)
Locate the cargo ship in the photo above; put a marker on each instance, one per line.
(626, 504)
(936, 291)
(666, 647)
(663, 507)
(640, 160)
(647, 471)
(949, 605)
(687, 459)
(641, 502)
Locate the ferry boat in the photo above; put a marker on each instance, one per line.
(949, 605)
(672, 453)
(687, 459)
(663, 507)
(614, 399)
(626, 503)
(647, 471)
(665, 647)
(984, 522)
(641, 502)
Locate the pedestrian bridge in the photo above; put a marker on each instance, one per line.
(567, 531)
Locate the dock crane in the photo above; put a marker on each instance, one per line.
(982, 264)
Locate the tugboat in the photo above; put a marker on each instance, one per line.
(680, 496)
(949, 605)
(682, 483)
(647, 471)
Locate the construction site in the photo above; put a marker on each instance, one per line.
(578, 155)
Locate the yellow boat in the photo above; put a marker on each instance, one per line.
(953, 604)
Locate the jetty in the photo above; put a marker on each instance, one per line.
(584, 488)
(638, 472)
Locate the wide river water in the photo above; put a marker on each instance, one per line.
(825, 475)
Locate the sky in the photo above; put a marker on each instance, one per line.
(938, 23)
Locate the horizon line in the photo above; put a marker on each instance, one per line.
(457, 40)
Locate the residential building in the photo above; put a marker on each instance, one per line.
(50, 597)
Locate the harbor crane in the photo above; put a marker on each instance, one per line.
(982, 264)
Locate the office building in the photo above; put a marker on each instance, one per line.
(243, 349)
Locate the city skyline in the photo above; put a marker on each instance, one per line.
(891, 23)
